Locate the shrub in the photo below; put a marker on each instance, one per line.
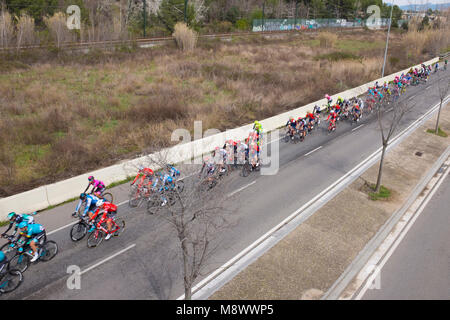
(242, 24)
(327, 39)
(185, 38)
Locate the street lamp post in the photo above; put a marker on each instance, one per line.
(387, 40)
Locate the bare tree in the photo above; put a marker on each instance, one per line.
(198, 215)
(388, 125)
(57, 24)
(443, 84)
(6, 28)
(25, 30)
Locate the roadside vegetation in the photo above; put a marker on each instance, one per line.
(440, 133)
(65, 114)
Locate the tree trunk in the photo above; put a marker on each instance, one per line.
(436, 130)
(187, 282)
(380, 170)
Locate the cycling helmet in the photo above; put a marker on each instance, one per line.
(23, 224)
(99, 203)
(97, 194)
(140, 168)
(91, 178)
(2, 256)
(11, 215)
(83, 196)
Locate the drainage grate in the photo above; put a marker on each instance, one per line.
(419, 154)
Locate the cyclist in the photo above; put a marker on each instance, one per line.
(35, 232)
(311, 120)
(146, 173)
(98, 187)
(301, 126)
(329, 101)
(220, 156)
(445, 64)
(91, 202)
(16, 219)
(356, 112)
(109, 212)
(3, 260)
(436, 67)
(291, 124)
(210, 167)
(172, 171)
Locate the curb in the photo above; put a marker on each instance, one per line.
(363, 257)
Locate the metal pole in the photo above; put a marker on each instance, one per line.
(296, 10)
(263, 15)
(185, 10)
(145, 16)
(387, 41)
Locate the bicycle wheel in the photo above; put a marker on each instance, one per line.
(78, 231)
(8, 251)
(11, 281)
(135, 197)
(180, 185)
(95, 238)
(19, 262)
(48, 250)
(108, 197)
(246, 169)
(121, 224)
(286, 138)
(153, 204)
(81, 209)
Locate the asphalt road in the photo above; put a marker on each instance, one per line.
(150, 268)
(419, 268)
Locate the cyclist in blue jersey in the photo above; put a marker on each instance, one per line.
(15, 218)
(172, 171)
(90, 200)
(34, 232)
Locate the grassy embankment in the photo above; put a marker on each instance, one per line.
(63, 115)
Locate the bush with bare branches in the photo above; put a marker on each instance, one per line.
(6, 28)
(26, 35)
(57, 24)
(186, 38)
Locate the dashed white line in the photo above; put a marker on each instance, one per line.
(107, 259)
(427, 88)
(61, 228)
(357, 127)
(313, 150)
(240, 189)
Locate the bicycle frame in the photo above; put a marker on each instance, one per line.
(99, 227)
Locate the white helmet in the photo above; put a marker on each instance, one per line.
(99, 203)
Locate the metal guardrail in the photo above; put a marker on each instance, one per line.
(149, 41)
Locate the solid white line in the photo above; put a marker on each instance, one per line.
(240, 189)
(402, 234)
(126, 201)
(427, 88)
(358, 127)
(107, 259)
(252, 246)
(390, 109)
(313, 150)
(61, 228)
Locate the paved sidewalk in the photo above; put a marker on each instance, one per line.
(306, 263)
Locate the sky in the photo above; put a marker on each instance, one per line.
(406, 2)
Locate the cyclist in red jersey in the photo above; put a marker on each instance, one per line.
(146, 173)
(108, 212)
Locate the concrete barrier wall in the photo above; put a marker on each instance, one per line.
(56, 193)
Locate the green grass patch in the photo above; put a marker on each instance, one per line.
(118, 183)
(384, 193)
(440, 133)
(356, 46)
(337, 56)
(4, 223)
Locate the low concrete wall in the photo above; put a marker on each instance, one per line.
(56, 193)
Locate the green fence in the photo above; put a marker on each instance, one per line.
(304, 24)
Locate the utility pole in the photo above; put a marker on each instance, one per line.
(145, 16)
(387, 40)
(263, 14)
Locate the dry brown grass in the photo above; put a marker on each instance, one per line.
(65, 115)
(327, 39)
(185, 37)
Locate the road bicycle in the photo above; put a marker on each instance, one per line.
(159, 201)
(10, 279)
(9, 248)
(47, 250)
(96, 237)
(138, 194)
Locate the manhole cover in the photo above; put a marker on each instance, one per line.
(419, 154)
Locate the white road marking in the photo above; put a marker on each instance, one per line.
(107, 259)
(240, 189)
(427, 88)
(313, 150)
(358, 127)
(61, 228)
(392, 242)
(237, 259)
